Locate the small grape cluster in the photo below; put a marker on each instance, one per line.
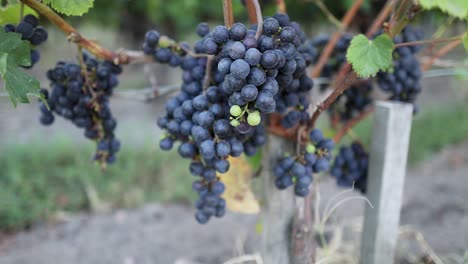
(82, 95)
(350, 167)
(404, 82)
(298, 170)
(30, 31)
(353, 101)
(163, 49)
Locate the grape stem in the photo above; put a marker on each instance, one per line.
(228, 13)
(21, 11)
(443, 51)
(348, 80)
(327, 51)
(351, 123)
(207, 78)
(255, 15)
(432, 42)
(281, 6)
(328, 13)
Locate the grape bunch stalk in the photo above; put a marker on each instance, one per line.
(81, 94)
(30, 31)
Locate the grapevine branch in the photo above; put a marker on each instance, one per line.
(327, 13)
(351, 123)
(332, 97)
(432, 42)
(443, 51)
(281, 6)
(350, 14)
(255, 15)
(251, 12)
(381, 17)
(228, 14)
(119, 57)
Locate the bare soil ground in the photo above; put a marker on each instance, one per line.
(435, 204)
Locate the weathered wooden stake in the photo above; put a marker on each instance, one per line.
(388, 156)
(279, 206)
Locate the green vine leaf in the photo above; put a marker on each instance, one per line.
(456, 8)
(370, 56)
(11, 13)
(15, 52)
(71, 7)
(465, 41)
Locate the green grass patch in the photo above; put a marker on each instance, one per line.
(37, 179)
(431, 130)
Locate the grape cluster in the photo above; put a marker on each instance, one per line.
(218, 112)
(353, 101)
(337, 57)
(350, 167)
(258, 73)
(163, 49)
(298, 170)
(404, 82)
(82, 96)
(30, 31)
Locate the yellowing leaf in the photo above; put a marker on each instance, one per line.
(238, 195)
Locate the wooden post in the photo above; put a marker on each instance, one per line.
(388, 156)
(279, 206)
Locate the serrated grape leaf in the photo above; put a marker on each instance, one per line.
(15, 52)
(11, 13)
(370, 56)
(465, 41)
(456, 8)
(71, 7)
(238, 195)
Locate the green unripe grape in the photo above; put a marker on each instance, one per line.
(235, 110)
(310, 148)
(254, 118)
(234, 122)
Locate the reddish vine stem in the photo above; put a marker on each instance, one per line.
(443, 51)
(251, 12)
(70, 31)
(281, 6)
(228, 13)
(351, 123)
(255, 16)
(350, 14)
(381, 17)
(349, 79)
(258, 13)
(121, 57)
(434, 41)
